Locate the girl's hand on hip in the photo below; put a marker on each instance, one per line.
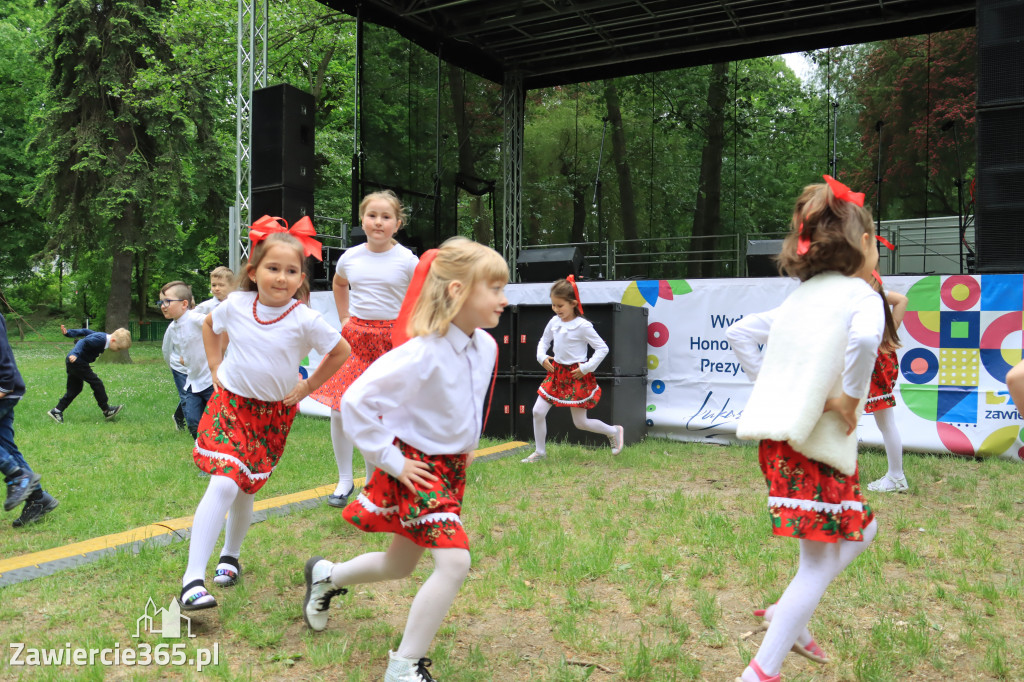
(414, 472)
(547, 364)
(300, 391)
(846, 407)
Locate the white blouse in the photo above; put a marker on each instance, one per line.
(570, 340)
(429, 392)
(377, 281)
(186, 339)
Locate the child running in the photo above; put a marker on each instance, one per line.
(183, 350)
(378, 273)
(416, 413)
(808, 393)
(256, 394)
(570, 381)
(78, 365)
(880, 395)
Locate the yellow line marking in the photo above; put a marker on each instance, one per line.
(172, 525)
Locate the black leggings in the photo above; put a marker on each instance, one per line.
(80, 373)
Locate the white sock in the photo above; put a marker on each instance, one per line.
(342, 454)
(540, 424)
(820, 563)
(429, 608)
(206, 525)
(585, 423)
(886, 422)
(239, 520)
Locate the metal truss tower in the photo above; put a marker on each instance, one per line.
(251, 74)
(513, 99)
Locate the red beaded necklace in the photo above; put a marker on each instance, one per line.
(280, 317)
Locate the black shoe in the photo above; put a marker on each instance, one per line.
(36, 509)
(56, 415)
(110, 412)
(340, 500)
(179, 425)
(19, 488)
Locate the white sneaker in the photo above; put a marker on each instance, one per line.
(887, 484)
(535, 457)
(407, 669)
(319, 592)
(617, 440)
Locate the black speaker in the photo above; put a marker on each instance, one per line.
(283, 202)
(761, 257)
(623, 328)
(999, 212)
(282, 138)
(623, 402)
(548, 263)
(321, 273)
(504, 335)
(1000, 52)
(500, 421)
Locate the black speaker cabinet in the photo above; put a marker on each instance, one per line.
(548, 263)
(623, 328)
(623, 402)
(761, 257)
(1000, 30)
(500, 421)
(321, 273)
(999, 232)
(504, 334)
(283, 202)
(282, 138)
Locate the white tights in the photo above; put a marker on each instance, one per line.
(886, 422)
(435, 597)
(223, 496)
(820, 563)
(343, 448)
(579, 418)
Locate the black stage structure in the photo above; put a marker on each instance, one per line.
(526, 44)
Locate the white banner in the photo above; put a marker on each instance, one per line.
(960, 336)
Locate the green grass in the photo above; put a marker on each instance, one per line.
(648, 564)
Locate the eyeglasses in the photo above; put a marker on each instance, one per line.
(167, 301)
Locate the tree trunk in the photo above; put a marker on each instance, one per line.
(707, 216)
(119, 305)
(627, 205)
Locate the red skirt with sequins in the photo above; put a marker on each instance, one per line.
(811, 500)
(242, 438)
(883, 380)
(430, 517)
(560, 388)
(369, 340)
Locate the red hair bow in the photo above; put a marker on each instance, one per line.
(803, 243)
(400, 332)
(576, 292)
(302, 230)
(885, 242)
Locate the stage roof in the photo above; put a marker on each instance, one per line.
(556, 42)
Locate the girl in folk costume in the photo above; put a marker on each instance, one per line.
(256, 393)
(369, 283)
(808, 393)
(880, 396)
(570, 381)
(416, 414)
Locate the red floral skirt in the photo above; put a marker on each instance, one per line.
(369, 339)
(430, 517)
(242, 438)
(883, 379)
(561, 389)
(811, 500)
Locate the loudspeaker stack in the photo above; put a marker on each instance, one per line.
(283, 177)
(622, 375)
(1000, 136)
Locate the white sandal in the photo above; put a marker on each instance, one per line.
(888, 484)
(534, 458)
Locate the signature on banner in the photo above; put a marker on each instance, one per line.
(706, 418)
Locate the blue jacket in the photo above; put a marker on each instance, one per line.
(90, 346)
(11, 382)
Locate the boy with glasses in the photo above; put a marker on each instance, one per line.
(184, 351)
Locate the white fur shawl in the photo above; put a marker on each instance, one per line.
(803, 367)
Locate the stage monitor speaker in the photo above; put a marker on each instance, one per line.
(623, 402)
(504, 335)
(500, 422)
(548, 263)
(761, 257)
(283, 202)
(282, 138)
(622, 327)
(999, 215)
(321, 273)
(1000, 31)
